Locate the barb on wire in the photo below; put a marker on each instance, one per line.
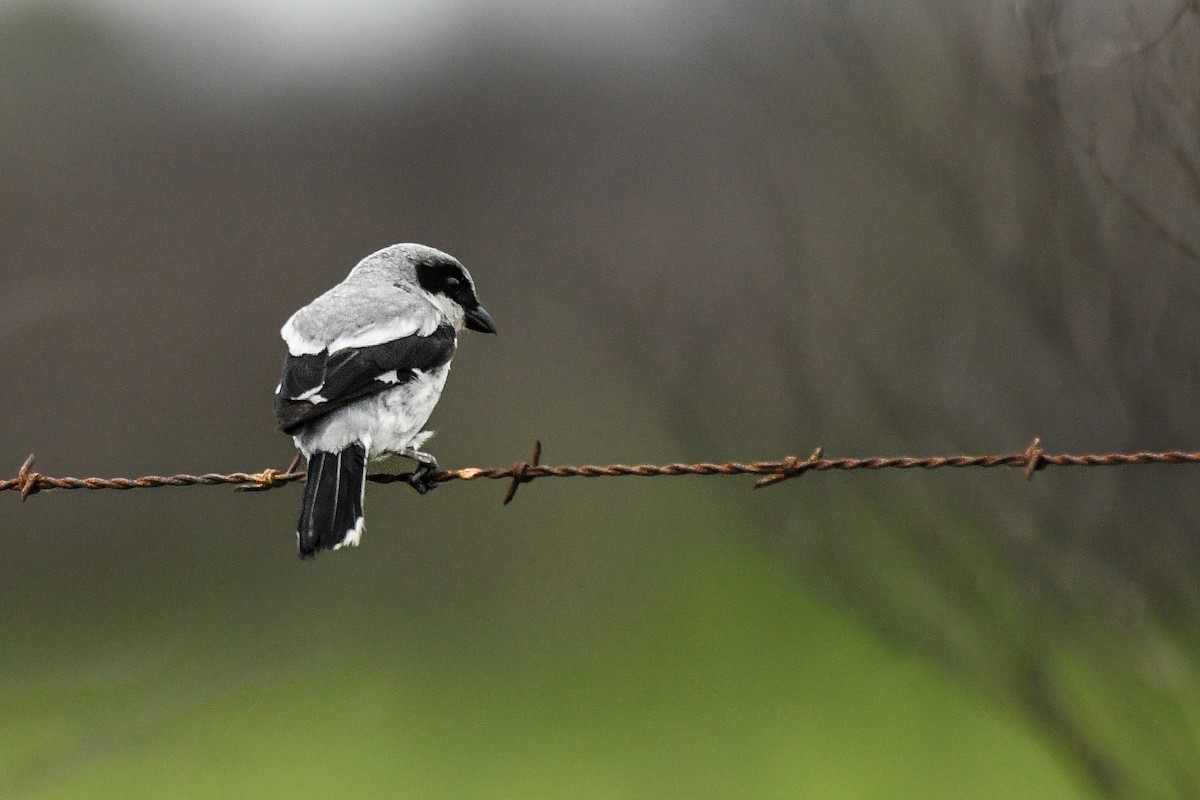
(1034, 458)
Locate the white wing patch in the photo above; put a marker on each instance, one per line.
(297, 344)
(387, 331)
(384, 332)
(388, 377)
(312, 395)
(358, 314)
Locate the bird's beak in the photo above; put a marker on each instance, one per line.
(478, 319)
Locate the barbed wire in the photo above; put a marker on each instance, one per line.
(1031, 460)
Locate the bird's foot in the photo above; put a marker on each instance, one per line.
(424, 477)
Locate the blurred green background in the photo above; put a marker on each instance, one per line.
(707, 231)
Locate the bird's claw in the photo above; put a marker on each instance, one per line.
(424, 477)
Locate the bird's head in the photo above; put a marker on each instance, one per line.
(444, 278)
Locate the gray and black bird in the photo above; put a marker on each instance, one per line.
(366, 364)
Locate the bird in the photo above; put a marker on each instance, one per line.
(366, 363)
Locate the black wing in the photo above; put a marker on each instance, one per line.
(354, 373)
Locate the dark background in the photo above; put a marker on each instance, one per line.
(707, 231)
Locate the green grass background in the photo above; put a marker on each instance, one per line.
(598, 639)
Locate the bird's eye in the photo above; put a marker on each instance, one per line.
(452, 283)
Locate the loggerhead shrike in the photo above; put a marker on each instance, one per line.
(366, 364)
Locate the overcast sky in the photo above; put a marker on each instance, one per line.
(286, 35)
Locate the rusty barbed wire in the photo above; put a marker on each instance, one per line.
(1032, 459)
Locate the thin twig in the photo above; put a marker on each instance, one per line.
(1032, 459)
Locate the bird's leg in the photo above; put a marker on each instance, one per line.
(424, 477)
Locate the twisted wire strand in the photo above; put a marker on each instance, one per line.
(1032, 459)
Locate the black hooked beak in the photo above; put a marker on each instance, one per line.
(478, 319)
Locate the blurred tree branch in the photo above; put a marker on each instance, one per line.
(984, 220)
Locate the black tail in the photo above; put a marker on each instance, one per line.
(333, 500)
